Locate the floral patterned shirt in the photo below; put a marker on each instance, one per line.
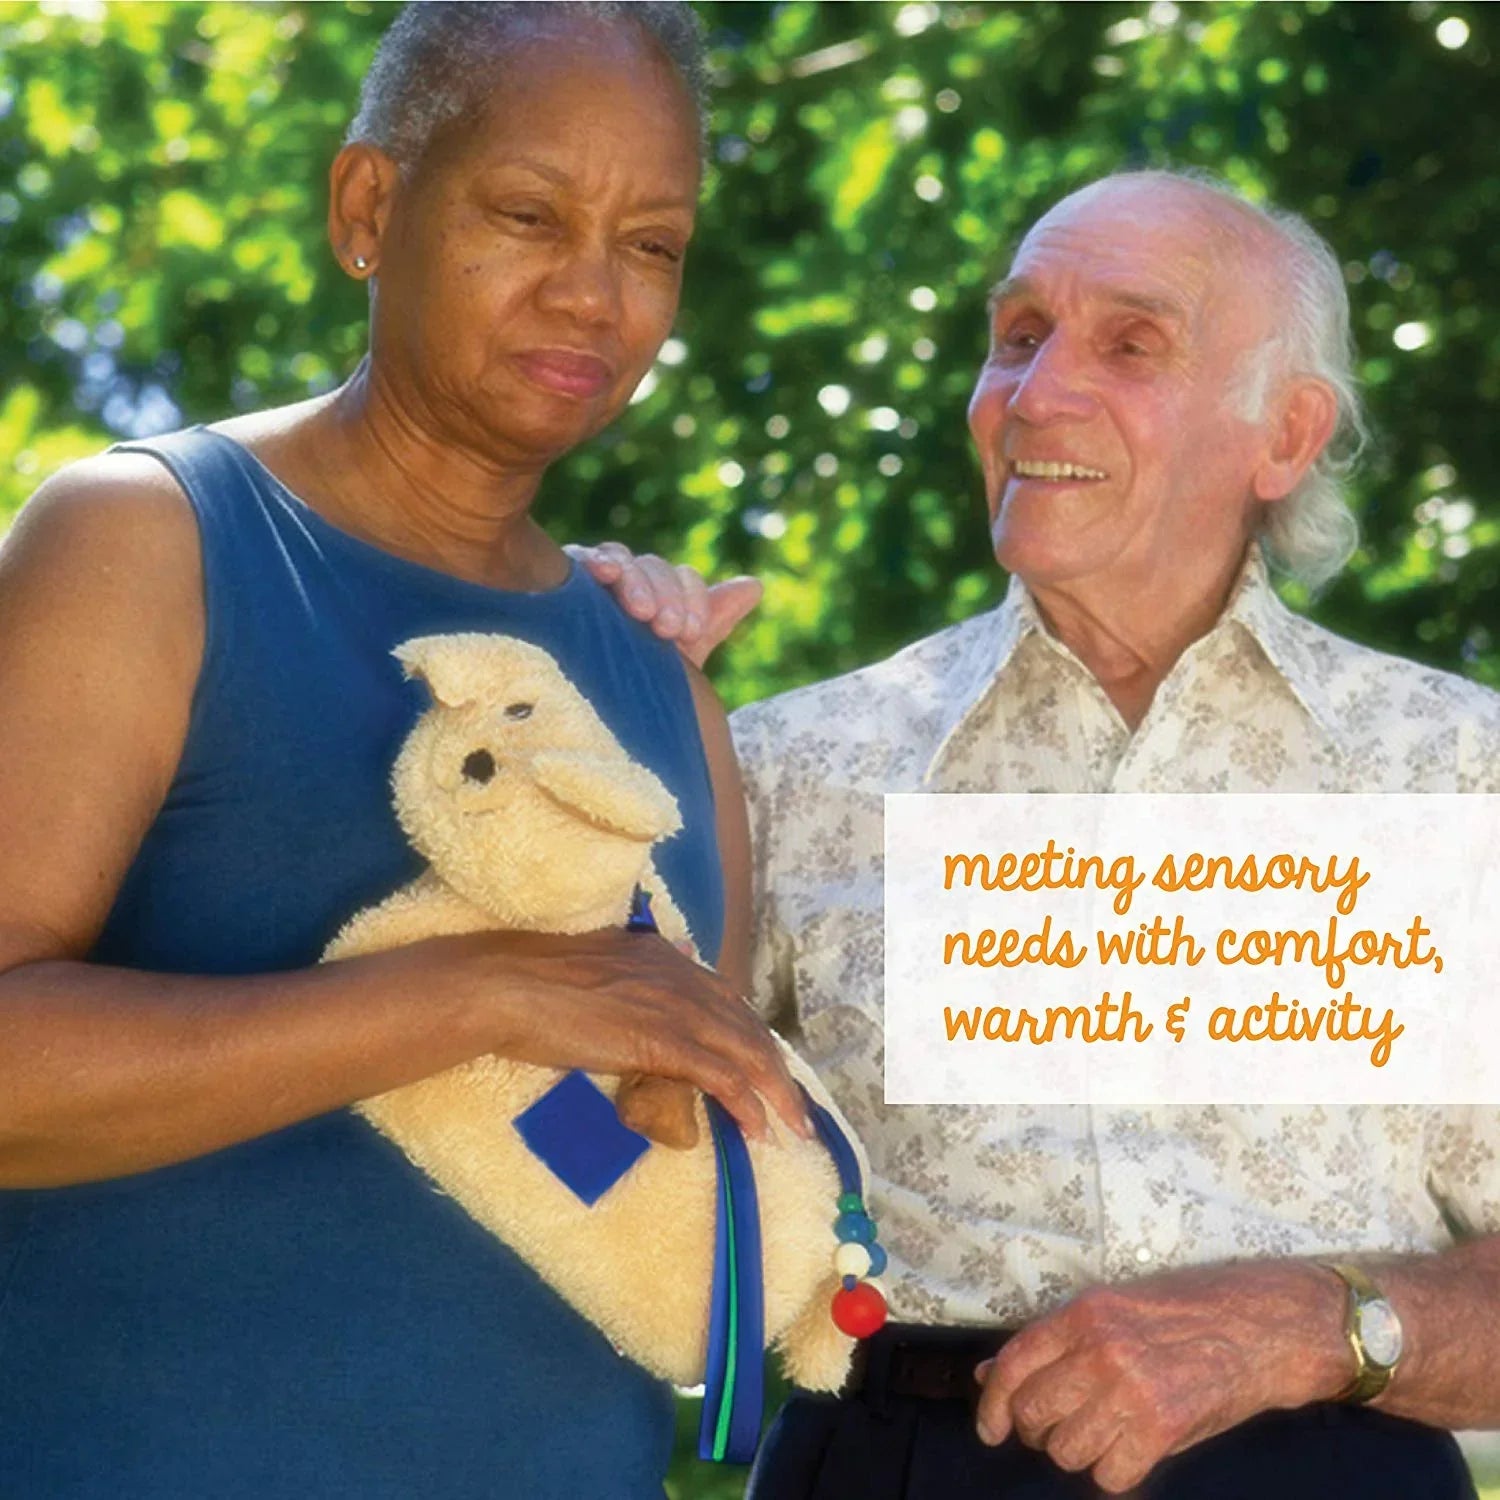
(993, 1214)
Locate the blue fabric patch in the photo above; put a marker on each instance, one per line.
(574, 1130)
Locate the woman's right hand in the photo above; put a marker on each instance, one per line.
(619, 1002)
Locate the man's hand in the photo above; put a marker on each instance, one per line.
(1123, 1376)
(674, 601)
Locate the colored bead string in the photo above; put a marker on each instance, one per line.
(858, 1307)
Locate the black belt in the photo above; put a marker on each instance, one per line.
(931, 1364)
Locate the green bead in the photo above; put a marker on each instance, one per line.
(851, 1203)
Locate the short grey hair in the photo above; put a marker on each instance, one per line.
(438, 57)
(1312, 533)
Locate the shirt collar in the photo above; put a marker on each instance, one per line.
(1253, 607)
(979, 670)
(1288, 645)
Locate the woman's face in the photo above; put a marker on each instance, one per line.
(530, 268)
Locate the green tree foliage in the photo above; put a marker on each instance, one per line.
(162, 259)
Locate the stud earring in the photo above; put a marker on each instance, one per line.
(360, 263)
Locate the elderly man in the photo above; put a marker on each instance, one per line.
(1204, 1302)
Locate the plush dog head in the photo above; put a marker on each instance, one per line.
(516, 792)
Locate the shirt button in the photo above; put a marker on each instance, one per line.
(1143, 1254)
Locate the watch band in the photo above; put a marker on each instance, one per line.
(1370, 1376)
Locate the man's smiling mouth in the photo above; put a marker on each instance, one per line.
(1033, 469)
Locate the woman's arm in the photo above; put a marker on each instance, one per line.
(105, 1072)
(732, 826)
(660, 1108)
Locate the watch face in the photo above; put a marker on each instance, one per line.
(1380, 1332)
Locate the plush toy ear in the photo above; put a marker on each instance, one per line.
(614, 794)
(441, 662)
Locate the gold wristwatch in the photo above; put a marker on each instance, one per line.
(1373, 1331)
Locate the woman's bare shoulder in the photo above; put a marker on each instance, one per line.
(101, 636)
(102, 569)
(122, 504)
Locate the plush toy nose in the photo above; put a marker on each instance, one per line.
(479, 765)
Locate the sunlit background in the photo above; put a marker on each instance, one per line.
(162, 261)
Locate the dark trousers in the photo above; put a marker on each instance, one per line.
(883, 1445)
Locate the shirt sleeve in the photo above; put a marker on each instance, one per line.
(1463, 1168)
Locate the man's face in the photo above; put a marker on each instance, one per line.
(1104, 416)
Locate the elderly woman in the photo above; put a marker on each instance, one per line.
(215, 1280)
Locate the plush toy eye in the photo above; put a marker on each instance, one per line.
(479, 765)
(518, 710)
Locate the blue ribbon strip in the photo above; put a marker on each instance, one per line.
(641, 918)
(734, 1382)
(734, 1394)
(837, 1145)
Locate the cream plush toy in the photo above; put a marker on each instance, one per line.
(531, 816)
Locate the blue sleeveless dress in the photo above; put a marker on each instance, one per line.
(302, 1316)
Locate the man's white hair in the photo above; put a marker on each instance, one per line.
(1312, 533)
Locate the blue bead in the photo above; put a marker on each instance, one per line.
(877, 1259)
(850, 1282)
(855, 1229)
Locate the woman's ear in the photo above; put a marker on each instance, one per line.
(362, 184)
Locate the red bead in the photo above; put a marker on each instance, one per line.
(859, 1311)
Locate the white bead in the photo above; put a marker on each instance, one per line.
(851, 1260)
